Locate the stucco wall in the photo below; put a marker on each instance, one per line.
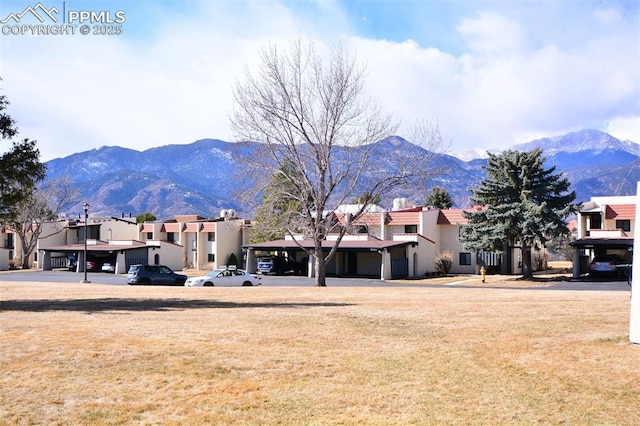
(170, 254)
(4, 259)
(451, 242)
(228, 240)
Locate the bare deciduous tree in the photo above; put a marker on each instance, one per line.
(43, 206)
(320, 134)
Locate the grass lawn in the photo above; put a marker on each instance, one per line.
(96, 354)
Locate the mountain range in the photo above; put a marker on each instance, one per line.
(202, 177)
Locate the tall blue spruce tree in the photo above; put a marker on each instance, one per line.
(523, 203)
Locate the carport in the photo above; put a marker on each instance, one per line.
(587, 248)
(124, 255)
(356, 258)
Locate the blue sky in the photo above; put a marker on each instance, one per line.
(492, 73)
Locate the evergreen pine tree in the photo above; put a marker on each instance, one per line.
(439, 198)
(20, 168)
(523, 204)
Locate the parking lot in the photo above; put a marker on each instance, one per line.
(562, 283)
(61, 276)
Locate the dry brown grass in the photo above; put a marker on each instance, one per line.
(92, 354)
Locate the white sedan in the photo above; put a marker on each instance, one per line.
(224, 278)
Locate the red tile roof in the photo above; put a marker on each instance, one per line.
(146, 227)
(170, 227)
(404, 218)
(208, 227)
(621, 211)
(451, 217)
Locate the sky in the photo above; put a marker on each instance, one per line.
(490, 73)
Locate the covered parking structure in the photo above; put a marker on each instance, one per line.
(122, 255)
(587, 248)
(382, 259)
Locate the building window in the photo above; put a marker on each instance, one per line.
(595, 222)
(411, 229)
(362, 229)
(171, 237)
(149, 235)
(465, 258)
(625, 225)
(211, 236)
(93, 233)
(211, 257)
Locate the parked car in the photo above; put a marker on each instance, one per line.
(154, 274)
(72, 262)
(92, 265)
(230, 277)
(108, 267)
(278, 265)
(605, 265)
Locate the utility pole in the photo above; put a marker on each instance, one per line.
(85, 207)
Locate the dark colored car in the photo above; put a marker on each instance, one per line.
(278, 265)
(72, 263)
(154, 274)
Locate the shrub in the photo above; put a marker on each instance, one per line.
(444, 262)
(541, 262)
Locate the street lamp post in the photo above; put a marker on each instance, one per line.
(85, 207)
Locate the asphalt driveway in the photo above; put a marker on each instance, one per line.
(61, 276)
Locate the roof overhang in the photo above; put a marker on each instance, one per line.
(94, 248)
(614, 243)
(81, 225)
(359, 245)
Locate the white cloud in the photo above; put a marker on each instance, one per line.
(173, 84)
(625, 128)
(73, 94)
(607, 15)
(492, 34)
(499, 93)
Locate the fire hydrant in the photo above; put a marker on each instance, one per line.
(483, 272)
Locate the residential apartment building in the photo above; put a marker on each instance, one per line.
(386, 244)
(108, 239)
(403, 242)
(187, 241)
(605, 227)
(7, 248)
(607, 217)
(203, 243)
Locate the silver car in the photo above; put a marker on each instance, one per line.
(603, 265)
(108, 267)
